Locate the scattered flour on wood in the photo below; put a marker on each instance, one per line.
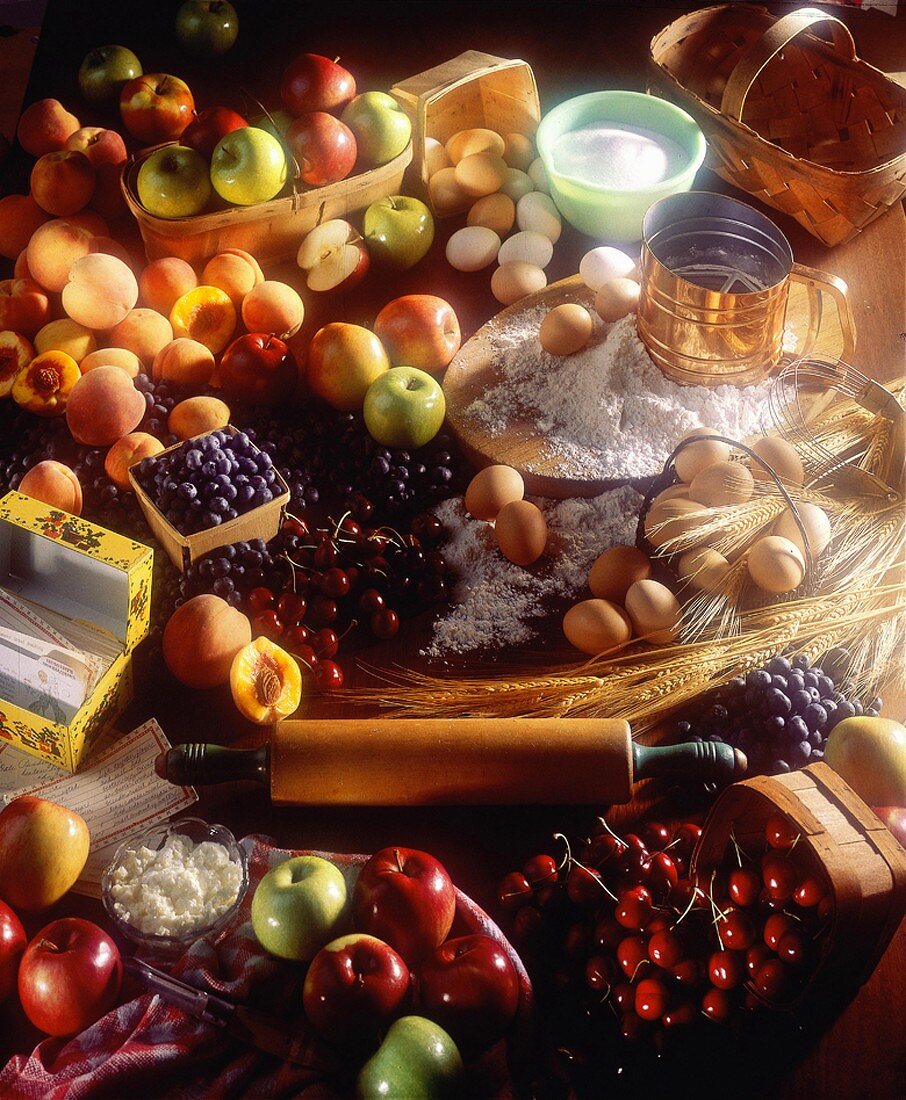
(498, 604)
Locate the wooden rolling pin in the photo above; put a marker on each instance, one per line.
(458, 761)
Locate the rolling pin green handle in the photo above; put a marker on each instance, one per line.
(708, 761)
(197, 764)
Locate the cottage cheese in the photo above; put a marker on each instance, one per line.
(174, 889)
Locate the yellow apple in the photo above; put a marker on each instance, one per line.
(343, 361)
(43, 848)
(870, 754)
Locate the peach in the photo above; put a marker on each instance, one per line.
(24, 306)
(15, 354)
(184, 361)
(20, 269)
(55, 484)
(45, 126)
(90, 220)
(126, 452)
(20, 216)
(103, 407)
(66, 335)
(233, 271)
(108, 194)
(112, 357)
(142, 331)
(201, 638)
(53, 249)
(274, 308)
(111, 247)
(163, 283)
(44, 387)
(99, 145)
(101, 291)
(205, 314)
(62, 182)
(197, 415)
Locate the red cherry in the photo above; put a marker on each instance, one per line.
(548, 895)
(293, 526)
(661, 874)
(307, 656)
(651, 998)
(680, 1015)
(540, 869)
(623, 995)
(663, 922)
(809, 892)
(738, 930)
(743, 886)
(326, 553)
(526, 924)
(514, 891)
(632, 1026)
(656, 836)
(300, 635)
(776, 927)
(772, 980)
(717, 1005)
(826, 908)
(685, 838)
(632, 954)
(335, 583)
(767, 903)
(609, 934)
(601, 972)
(260, 599)
(780, 833)
(326, 642)
(577, 941)
(757, 954)
(793, 949)
(370, 600)
(683, 892)
(780, 876)
(328, 676)
(268, 624)
(603, 849)
(384, 623)
(688, 972)
(323, 610)
(291, 608)
(634, 908)
(666, 949)
(583, 886)
(725, 969)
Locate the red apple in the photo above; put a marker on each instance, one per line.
(405, 897)
(43, 848)
(99, 145)
(315, 83)
(894, 817)
(208, 127)
(258, 368)
(419, 330)
(156, 107)
(69, 976)
(334, 256)
(324, 148)
(12, 944)
(354, 986)
(470, 987)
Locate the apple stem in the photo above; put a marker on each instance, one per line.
(399, 861)
(48, 945)
(267, 342)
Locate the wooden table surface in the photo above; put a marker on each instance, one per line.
(572, 48)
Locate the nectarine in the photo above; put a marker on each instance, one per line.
(62, 182)
(198, 415)
(104, 406)
(44, 127)
(143, 331)
(234, 272)
(201, 638)
(55, 484)
(24, 306)
(99, 145)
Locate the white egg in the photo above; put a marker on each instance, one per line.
(513, 281)
(814, 520)
(538, 175)
(600, 265)
(531, 248)
(537, 212)
(519, 150)
(472, 248)
(516, 184)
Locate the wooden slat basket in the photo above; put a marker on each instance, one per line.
(799, 122)
(271, 231)
(861, 859)
(473, 89)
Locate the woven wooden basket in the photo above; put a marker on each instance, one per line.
(799, 122)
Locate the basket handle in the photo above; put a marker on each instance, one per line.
(749, 67)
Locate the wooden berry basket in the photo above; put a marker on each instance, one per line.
(262, 522)
(271, 231)
(473, 89)
(863, 863)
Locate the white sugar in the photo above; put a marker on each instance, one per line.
(608, 154)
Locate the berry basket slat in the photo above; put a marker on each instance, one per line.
(271, 231)
(803, 124)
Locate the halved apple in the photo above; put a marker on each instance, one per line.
(333, 255)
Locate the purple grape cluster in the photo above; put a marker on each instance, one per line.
(209, 481)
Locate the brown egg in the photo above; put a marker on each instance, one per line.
(497, 212)
(781, 456)
(521, 532)
(468, 143)
(565, 329)
(693, 459)
(722, 484)
(617, 298)
(704, 568)
(672, 492)
(614, 571)
(671, 519)
(596, 626)
(480, 174)
(513, 281)
(814, 520)
(775, 564)
(654, 611)
(491, 488)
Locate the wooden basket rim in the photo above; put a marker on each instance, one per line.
(494, 64)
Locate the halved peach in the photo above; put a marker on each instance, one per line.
(205, 314)
(126, 452)
(16, 352)
(46, 383)
(265, 682)
(55, 484)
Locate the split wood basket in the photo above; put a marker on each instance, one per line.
(799, 122)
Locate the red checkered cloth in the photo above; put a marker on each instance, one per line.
(147, 1047)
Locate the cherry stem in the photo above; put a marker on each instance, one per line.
(715, 910)
(570, 858)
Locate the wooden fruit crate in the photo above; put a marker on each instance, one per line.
(863, 863)
(270, 231)
(262, 522)
(473, 89)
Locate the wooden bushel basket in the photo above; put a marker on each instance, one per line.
(799, 122)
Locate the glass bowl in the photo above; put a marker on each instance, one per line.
(197, 831)
(615, 213)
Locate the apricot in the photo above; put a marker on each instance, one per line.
(66, 335)
(205, 314)
(45, 126)
(55, 484)
(164, 281)
(46, 384)
(198, 415)
(143, 331)
(62, 182)
(24, 306)
(201, 638)
(20, 216)
(112, 357)
(16, 352)
(101, 291)
(53, 249)
(274, 308)
(126, 452)
(234, 272)
(184, 361)
(103, 407)
(265, 682)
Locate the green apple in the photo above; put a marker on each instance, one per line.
(404, 407)
(870, 754)
(275, 123)
(207, 26)
(173, 182)
(248, 166)
(416, 1059)
(105, 70)
(399, 231)
(382, 128)
(298, 906)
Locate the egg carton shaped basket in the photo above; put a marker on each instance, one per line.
(262, 522)
(270, 231)
(862, 862)
(472, 90)
(801, 123)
